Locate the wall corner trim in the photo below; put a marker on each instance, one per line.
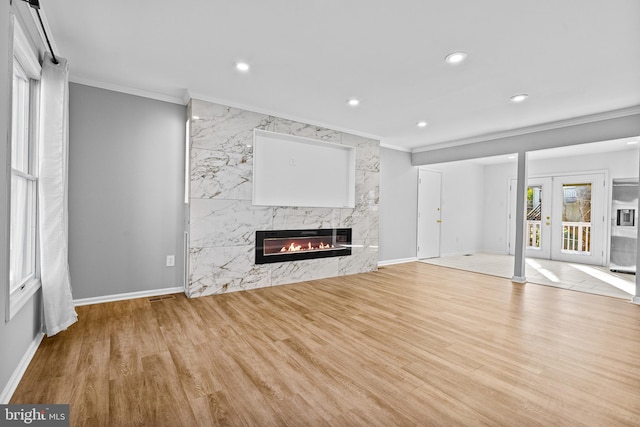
(396, 261)
(128, 295)
(13, 382)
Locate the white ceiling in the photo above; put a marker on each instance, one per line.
(573, 57)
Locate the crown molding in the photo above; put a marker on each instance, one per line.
(279, 114)
(591, 118)
(128, 90)
(395, 147)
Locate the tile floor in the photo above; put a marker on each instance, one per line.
(577, 277)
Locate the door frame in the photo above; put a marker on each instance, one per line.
(605, 212)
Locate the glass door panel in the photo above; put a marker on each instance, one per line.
(576, 218)
(578, 214)
(534, 216)
(537, 232)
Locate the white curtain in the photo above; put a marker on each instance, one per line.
(59, 310)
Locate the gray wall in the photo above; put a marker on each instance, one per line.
(17, 334)
(126, 192)
(398, 206)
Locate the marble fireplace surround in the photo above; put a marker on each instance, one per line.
(222, 220)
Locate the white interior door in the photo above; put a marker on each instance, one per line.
(429, 219)
(578, 219)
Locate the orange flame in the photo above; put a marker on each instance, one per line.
(309, 247)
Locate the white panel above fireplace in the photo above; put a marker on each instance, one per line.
(290, 170)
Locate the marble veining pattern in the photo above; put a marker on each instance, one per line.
(215, 222)
(367, 152)
(300, 271)
(292, 218)
(363, 225)
(226, 269)
(216, 174)
(222, 220)
(364, 257)
(367, 191)
(226, 129)
(307, 131)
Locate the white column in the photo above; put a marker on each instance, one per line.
(636, 298)
(521, 198)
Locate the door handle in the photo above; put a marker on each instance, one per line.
(438, 220)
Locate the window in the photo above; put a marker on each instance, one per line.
(23, 185)
(23, 249)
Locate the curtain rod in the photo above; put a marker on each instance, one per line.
(35, 4)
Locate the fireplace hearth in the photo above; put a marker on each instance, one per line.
(292, 245)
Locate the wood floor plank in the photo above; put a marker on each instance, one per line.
(215, 410)
(91, 385)
(163, 400)
(409, 345)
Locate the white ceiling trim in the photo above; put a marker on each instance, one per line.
(614, 114)
(281, 115)
(128, 90)
(395, 147)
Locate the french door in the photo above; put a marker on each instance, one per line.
(538, 229)
(565, 218)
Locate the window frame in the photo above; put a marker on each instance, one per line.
(25, 61)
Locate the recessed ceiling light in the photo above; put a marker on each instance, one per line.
(353, 102)
(456, 57)
(422, 124)
(521, 97)
(632, 142)
(243, 67)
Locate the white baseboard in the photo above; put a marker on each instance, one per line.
(396, 261)
(128, 295)
(13, 382)
(636, 300)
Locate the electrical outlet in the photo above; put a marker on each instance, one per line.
(171, 261)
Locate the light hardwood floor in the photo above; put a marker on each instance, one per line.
(411, 344)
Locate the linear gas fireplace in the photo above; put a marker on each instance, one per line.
(293, 245)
